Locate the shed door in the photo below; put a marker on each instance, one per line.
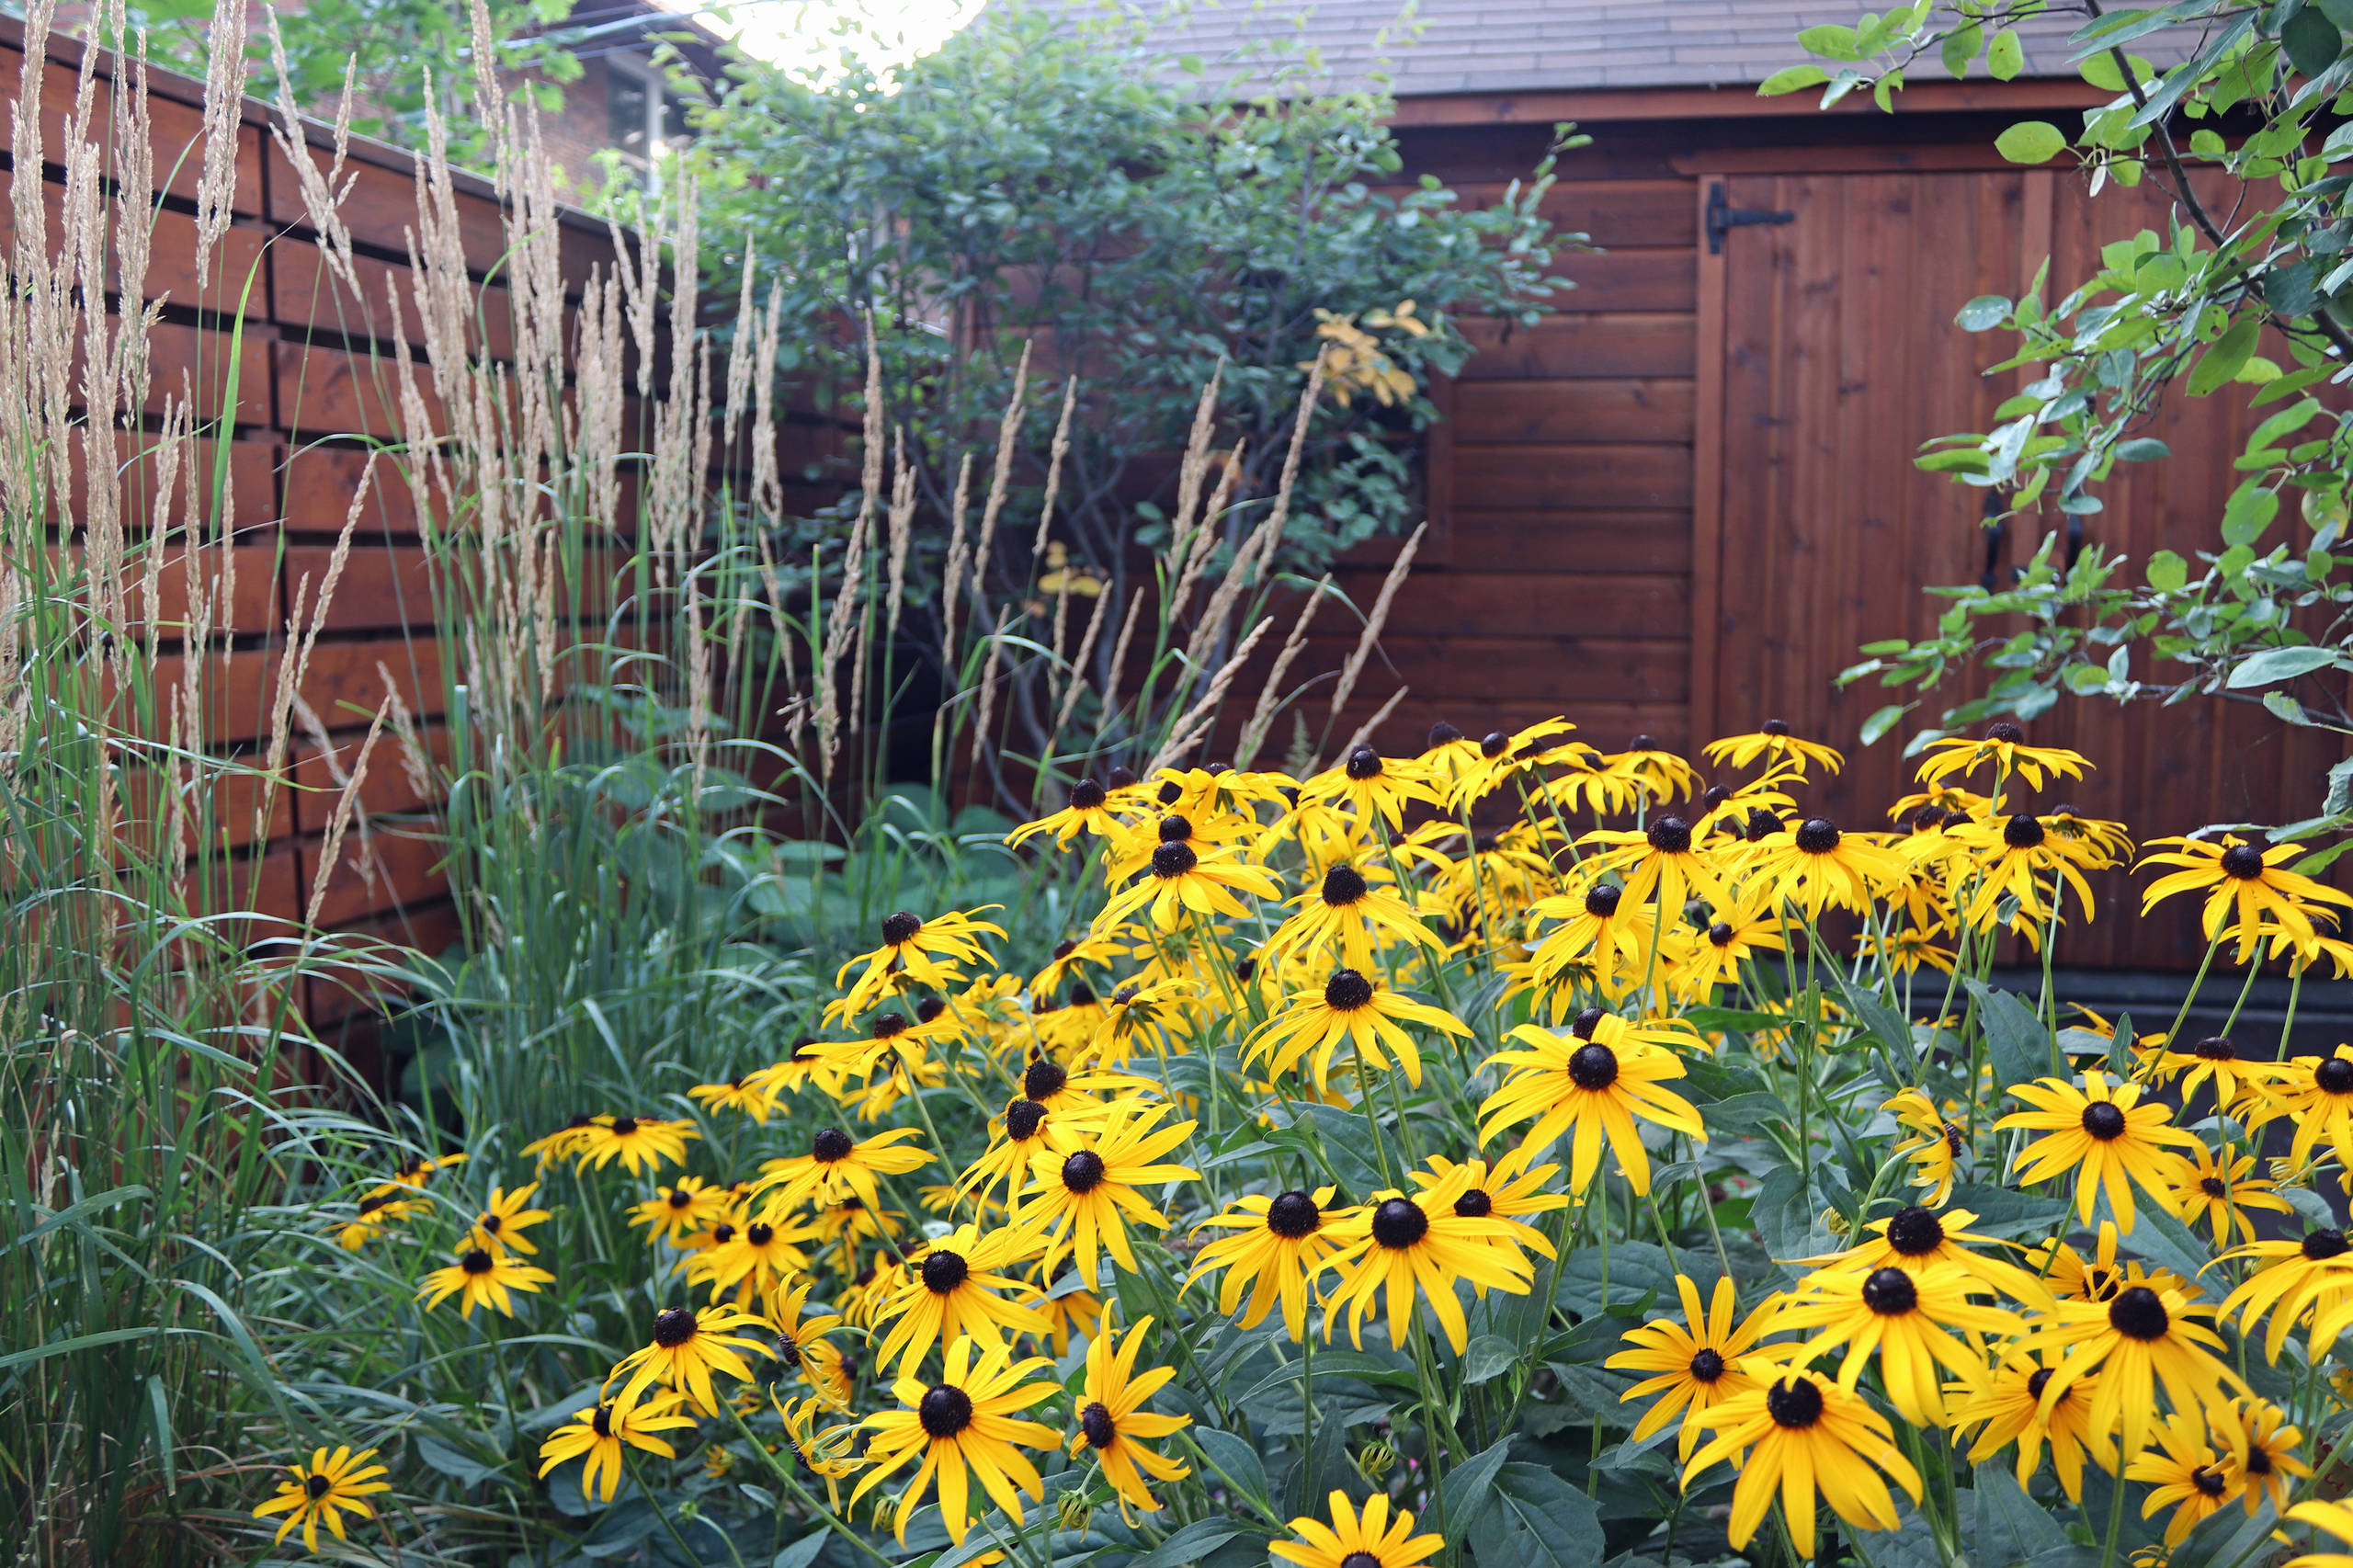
(1827, 355)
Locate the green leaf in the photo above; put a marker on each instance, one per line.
(2248, 512)
(2222, 361)
(1830, 40)
(2030, 141)
(2142, 449)
(1236, 1457)
(803, 1552)
(1983, 313)
(1534, 1519)
(2014, 1036)
(1961, 47)
(1790, 79)
(2007, 1214)
(2285, 709)
(2280, 664)
(1486, 1359)
(2168, 573)
(1191, 1543)
(2311, 41)
(1884, 719)
(2006, 57)
(1469, 1484)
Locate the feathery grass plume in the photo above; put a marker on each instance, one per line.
(1195, 465)
(1193, 728)
(743, 346)
(1120, 652)
(302, 638)
(224, 92)
(780, 622)
(1281, 512)
(599, 405)
(416, 762)
(347, 811)
(1258, 547)
(1077, 671)
(1376, 620)
(958, 561)
(1381, 716)
(851, 595)
(1055, 454)
(1206, 537)
(323, 198)
(768, 476)
(988, 696)
(1270, 696)
(1000, 479)
(698, 679)
(900, 523)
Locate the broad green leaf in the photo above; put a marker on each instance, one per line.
(1982, 313)
(1961, 47)
(1789, 79)
(2030, 141)
(2015, 1037)
(2311, 41)
(2142, 449)
(2284, 708)
(1486, 1359)
(2221, 361)
(2168, 571)
(1830, 40)
(2005, 56)
(2280, 664)
(2248, 513)
(1534, 1519)
(1884, 719)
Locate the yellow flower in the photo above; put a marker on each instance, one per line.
(800, 1346)
(1351, 1011)
(1085, 1199)
(1816, 867)
(2004, 749)
(692, 1204)
(2294, 1278)
(914, 951)
(753, 1260)
(1372, 784)
(687, 1347)
(1282, 1248)
(327, 1488)
(1113, 1421)
(502, 1223)
(2103, 1132)
(481, 1277)
(1799, 1433)
(2008, 1408)
(2337, 1519)
(2139, 1340)
(1909, 1317)
(2183, 1473)
(2318, 1092)
(950, 1292)
(753, 1094)
(640, 1143)
(1606, 936)
(2261, 1448)
(1594, 1083)
(376, 1211)
(838, 1166)
(1346, 908)
(1935, 1151)
(1695, 1365)
(600, 1431)
(1399, 1245)
(2222, 1189)
(2246, 888)
(1087, 812)
(1354, 1541)
(964, 1428)
(1774, 745)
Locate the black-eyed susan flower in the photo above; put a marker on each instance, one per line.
(1026, 1129)
(1133, 851)
(1773, 744)
(799, 1342)
(600, 1432)
(1402, 1246)
(500, 1225)
(375, 1211)
(672, 1212)
(915, 952)
(891, 1042)
(1279, 1249)
(1917, 1239)
(1695, 1365)
(481, 1278)
(2311, 1276)
(964, 1428)
(753, 1094)
(2183, 1473)
(2017, 857)
(1661, 864)
(1506, 1190)
(1801, 1432)
(1346, 909)
(1350, 1010)
(2317, 1093)
(1935, 1148)
(640, 1144)
(1604, 939)
(1656, 772)
(825, 1454)
(1113, 1421)
(1915, 1319)
(2248, 890)
(2104, 1134)
(1373, 785)
(2072, 1276)
(1070, 1311)
(1087, 811)
(1071, 955)
(689, 1345)
(2215, 1061)
(329, 1487)
(754, 1260)
(957, 1288)
(1815, 867)
(1086, 1200)
(1499, 758)
(2136, 1342)
(1145, 1014)
(2223, 1191)
(1370, 1539)
(1072, 1091)
(1595, 1086)
(1181, 881)
(1735, 937)
(2005, 752)
(2261, 1448)
(416, 1170)
(838, 1166)
(2009, 1408)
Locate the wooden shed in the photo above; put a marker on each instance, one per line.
(1678, 505)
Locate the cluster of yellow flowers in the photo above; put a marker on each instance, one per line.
(1268, 950)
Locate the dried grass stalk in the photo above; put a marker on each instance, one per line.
(346, 805)
(1365, 729)
(999, 480)
(1193, 727)
(1078, 660)
(1376, 620)
(1270, 696)
(224, 95)
(958, 560)
(1194, 468)
(1120, 651)
(840, 624)
(1060, 451)
(1205, 538)
(900, 525)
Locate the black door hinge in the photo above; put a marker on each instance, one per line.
(1724, 217)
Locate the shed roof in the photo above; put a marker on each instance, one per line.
(1506, 46)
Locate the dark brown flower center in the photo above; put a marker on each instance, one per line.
(1774, 727)
(2244, 861)
(1364, 763)
(476, 1261)
(723, 1232)
(1173, 860)
(624, 1126)
(2259, 1459)
(2039, 1379)
(1442, 735)
(2213, 1187)
(1347, 991)
(929, 1008)
(1889, 1293)
(2334, 1077)
(945, 1409)
(490, 1223)
(601, 1423)
(1602, 898)
(2104, 1121)
(674, 1327)
(1475, 1204)
(830, 1146)
(1760, 823)
(1361, 1560)
(2215, 1048)
(2022, 832)
(2208, 1480)
(2138, 1312)
(1175, 829)
(1399, 1222)
(1065, 947)
(1721, 934)
(1593, 1066)
(1707, 1365)
(1671, 835)
(1170, 792)
(1587, 1020)
(890, 1026)
(1097, 1423)
(1342, 885)
(788, 1349)
(944, 1271)
(1083, 1171)
(1086, 795)
(2322, 1244)
(2002, 729)
(316, 1485)
(760, 1234)
(1793, 1404)
(900, 929)
(1818, 835)
(1293, 1215)
(1494, 744)
(1914, 1231)
(1022, 1120)
(1043, 1079)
